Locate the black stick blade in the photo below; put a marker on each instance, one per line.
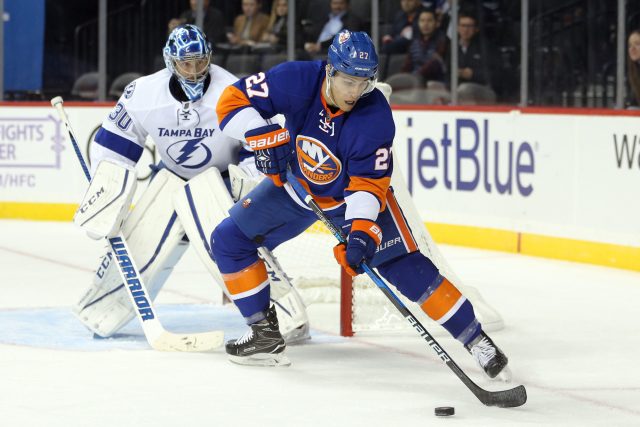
(504, 399)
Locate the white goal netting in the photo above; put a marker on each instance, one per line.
(308, 260)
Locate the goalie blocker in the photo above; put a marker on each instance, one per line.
(107, 200)
(169, 214)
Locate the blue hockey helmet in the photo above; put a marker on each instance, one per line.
(187, 54)
(353, 53)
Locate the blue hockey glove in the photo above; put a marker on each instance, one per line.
(364, 238)
(272, 151)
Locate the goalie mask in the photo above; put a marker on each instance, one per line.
(354, 54)
(187, 55)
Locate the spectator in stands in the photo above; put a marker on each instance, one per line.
(427, 50)
(473, 64)
(276, 33)
(340, 17)
(443, 16)
(249, 27)
(403, 27)
(212, 25)
(633, 71)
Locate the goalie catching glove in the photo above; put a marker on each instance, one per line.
(365, 236)
(270, 145)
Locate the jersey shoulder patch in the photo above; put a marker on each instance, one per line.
(129, 89)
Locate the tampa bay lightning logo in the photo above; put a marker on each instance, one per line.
(190, 153)
(128, 91)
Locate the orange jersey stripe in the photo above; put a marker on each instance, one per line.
(402, 225)
(323, 202)
(247, 279)
(376, 186)
(440, 302)
(231, 99)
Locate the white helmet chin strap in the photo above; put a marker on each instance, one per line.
(327, 90)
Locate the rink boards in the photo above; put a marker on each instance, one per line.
(554, 183)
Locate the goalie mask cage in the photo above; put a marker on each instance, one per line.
(308, 260)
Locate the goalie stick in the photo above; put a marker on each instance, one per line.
(158, 337)
(504, 399)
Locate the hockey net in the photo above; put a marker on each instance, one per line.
(308, 260)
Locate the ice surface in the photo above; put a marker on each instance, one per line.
(571, 334)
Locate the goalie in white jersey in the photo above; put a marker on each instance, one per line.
(176, 107)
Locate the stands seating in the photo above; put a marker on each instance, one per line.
(242, 64)
(120, 82)
(86, 86)
(270, 60)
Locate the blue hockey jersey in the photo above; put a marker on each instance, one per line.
(337, 153)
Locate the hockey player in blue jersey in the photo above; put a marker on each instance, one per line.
(337, 141)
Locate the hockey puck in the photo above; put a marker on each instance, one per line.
(445, 411)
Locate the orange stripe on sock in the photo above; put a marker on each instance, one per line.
(440, 302)
(405, 231)
(247, 279)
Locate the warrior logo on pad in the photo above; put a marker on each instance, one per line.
(318, 164)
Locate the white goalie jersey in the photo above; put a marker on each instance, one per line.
(185, 197)
(186, 134)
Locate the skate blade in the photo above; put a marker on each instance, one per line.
(264, 359)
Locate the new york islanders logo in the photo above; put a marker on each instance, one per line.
(318, 164)
(344, 36)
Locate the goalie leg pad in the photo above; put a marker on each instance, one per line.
(202, 206)
(244, 178)
(291, 310)
(155, 239)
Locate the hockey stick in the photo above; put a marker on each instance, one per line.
(504, 399)
(158, 337)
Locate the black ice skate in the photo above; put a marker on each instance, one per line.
(490, 358)
(261, 345)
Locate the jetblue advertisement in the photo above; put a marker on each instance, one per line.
(573, 176)
(565, 175)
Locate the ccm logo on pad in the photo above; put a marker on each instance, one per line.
(271, 139)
